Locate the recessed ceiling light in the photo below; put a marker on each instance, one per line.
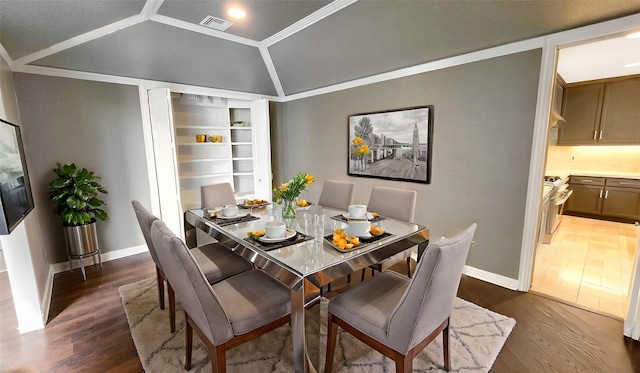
(634, 35)
(237, 13)
(632, 64)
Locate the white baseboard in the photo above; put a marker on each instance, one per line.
(111, 255)
(505, 282)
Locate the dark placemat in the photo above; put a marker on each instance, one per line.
(341, 218)
(254, 206)
(242, 219)
(363, 241)
(299, 237)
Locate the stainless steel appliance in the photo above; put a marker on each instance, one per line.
(557, 197)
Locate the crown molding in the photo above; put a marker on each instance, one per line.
(203, 30)
(80, 39)
(5, 56)
(502, 50)
(271, 68)
(309, 20)
(149, 84)
(151, 8)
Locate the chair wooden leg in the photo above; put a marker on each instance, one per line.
(349, 278)
(189, 342)
(160, 280)
(445, 347)
(409, 267)
(329, 287)
(404, 364)
(172, 308)
(363, 272)
(373, 272)
(220, 363)
(332, 336)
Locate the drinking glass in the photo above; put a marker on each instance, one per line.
(308, 224)
(319, 221)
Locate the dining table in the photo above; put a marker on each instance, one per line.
(301, 262)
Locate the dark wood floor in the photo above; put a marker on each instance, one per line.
(88, 332)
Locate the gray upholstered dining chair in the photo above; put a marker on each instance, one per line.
(400, 316)
(216, 195)
(217, 263)
(225, 314)
(396, 204)
(336, 194)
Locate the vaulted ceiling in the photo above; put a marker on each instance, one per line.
(281, 47)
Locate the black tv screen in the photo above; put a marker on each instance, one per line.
(16, 200)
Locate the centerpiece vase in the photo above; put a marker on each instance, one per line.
(289, 208)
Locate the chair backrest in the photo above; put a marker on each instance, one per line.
(429, 298)
(394, 203)
(216, 195)
(190, 284)
(145, 219)
(336, 194)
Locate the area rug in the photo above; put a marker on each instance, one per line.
(477, 336)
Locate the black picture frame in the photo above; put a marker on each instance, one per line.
(16, 199)
(398, 144)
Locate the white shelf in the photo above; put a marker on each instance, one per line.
(241, 143)
(242, 158)
(240, 128)
(203, 143)
(188, 127)
(202, 175)
(242, 173)
(185, 159)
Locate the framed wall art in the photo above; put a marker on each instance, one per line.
(16, 200)
(393, 145)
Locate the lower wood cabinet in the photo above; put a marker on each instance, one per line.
(605, 198)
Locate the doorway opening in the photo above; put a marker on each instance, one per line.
(588, 262)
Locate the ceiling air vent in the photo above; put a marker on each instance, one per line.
(216, 23)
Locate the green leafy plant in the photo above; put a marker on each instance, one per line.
(75, 192)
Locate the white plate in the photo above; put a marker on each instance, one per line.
(366, 217)
(290, 233)
(304, 208)
(236, 216)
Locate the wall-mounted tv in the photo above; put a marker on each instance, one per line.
(16, 200)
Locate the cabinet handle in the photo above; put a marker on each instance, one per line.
(625, 183)
(600, 193)
(595, 133)
(586, 181)
(606, 194)
(600, 136)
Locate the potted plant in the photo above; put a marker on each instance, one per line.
(75, 192)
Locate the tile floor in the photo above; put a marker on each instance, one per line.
(588, 263)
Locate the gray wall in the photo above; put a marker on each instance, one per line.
(483, 127)
(94, 125)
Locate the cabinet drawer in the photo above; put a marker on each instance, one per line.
(587, 180)
(634, 183)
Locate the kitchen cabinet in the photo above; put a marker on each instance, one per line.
(240, 154)
(622, 199)
(620, 123)
(606, 112)
(587, 195)
(581, 110)
(605, 198)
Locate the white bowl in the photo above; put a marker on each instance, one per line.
(357, 211)
(359, 227)
(275, 229)
(229, 210)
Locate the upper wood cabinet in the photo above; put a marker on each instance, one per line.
(607, 112)
(582, 109)
(620, 123)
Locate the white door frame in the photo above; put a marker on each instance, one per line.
(541, 127)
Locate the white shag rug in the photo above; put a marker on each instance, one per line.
(477, 336)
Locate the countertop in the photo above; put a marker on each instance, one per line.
(566, 173)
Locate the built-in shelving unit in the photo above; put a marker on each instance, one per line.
(227, 158)
(239, 152)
